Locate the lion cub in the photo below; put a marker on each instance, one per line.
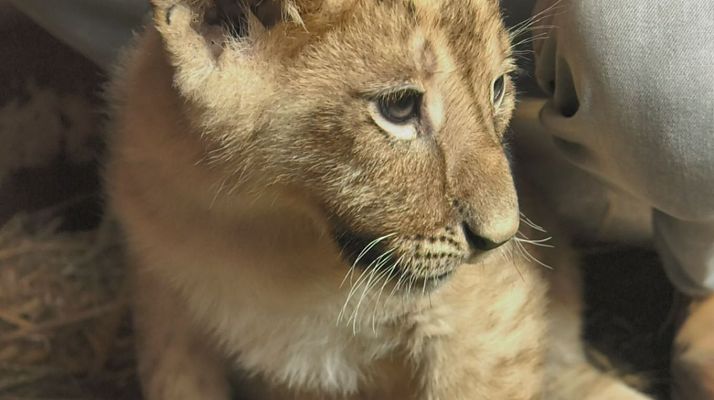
(313, 193)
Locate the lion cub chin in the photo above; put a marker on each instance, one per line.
(317, 204)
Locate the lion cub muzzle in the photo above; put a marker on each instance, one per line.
(419, 260)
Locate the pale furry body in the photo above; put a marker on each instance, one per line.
(235, 263)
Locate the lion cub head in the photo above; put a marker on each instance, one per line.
(386, 115)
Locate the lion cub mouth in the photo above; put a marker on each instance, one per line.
(408, 261)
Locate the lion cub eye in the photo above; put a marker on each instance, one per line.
(401, 107)
(398, 113)
(498, 90)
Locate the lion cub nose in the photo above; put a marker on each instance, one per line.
(487, 239)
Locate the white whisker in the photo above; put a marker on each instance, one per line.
(364, 251)
(387, 276)
(423, 286)
(367, 287)
(539, 242)
(507, 254)
(353, 289)
(529, 256)
(530, 39)
(532, 224)
(526, 25)
(397, 285)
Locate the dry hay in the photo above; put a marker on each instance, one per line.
(63, 313)
(63, 318)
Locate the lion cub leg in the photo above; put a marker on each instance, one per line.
(175, 361)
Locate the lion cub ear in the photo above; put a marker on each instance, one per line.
(267, 12)
(236, 14)
(218, 21)
(207, 40)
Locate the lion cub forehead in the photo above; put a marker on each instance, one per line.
(425, 8)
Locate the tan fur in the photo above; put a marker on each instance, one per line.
(236, 160)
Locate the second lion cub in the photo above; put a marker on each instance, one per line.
(318, 205)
